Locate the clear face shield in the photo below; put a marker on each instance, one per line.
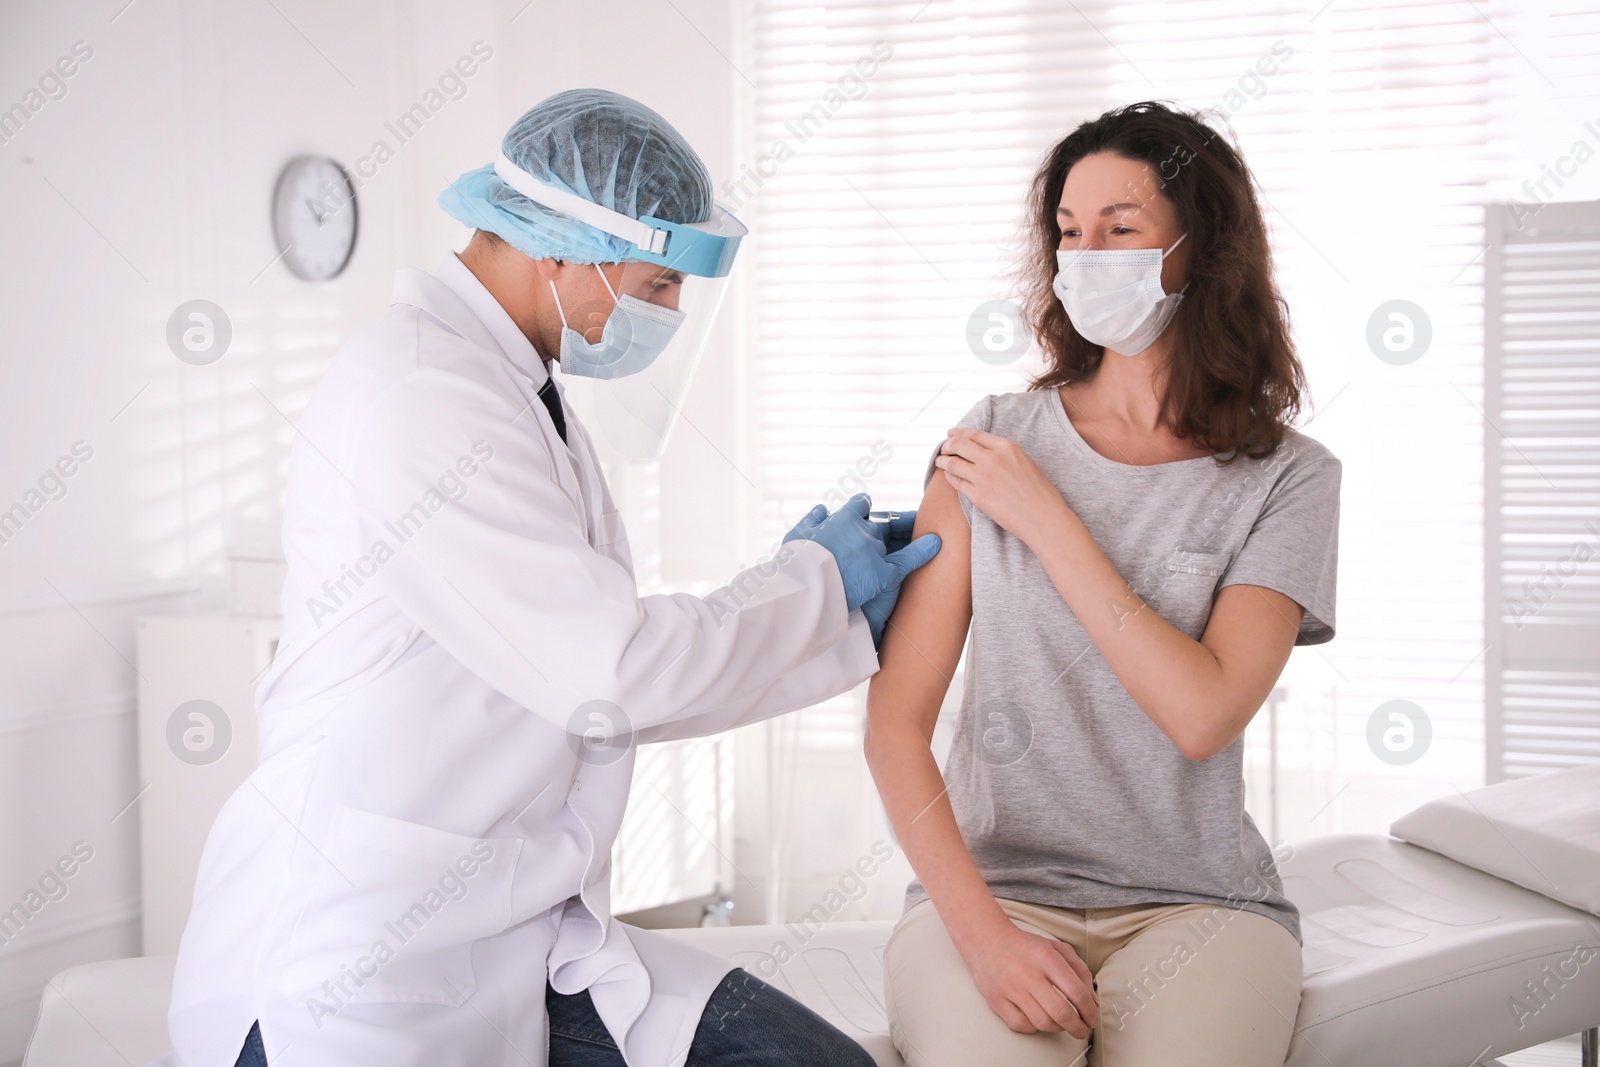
(629, 356)
(640, 340)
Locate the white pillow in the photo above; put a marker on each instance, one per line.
(1543, 833)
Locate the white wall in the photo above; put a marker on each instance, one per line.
(148, 184)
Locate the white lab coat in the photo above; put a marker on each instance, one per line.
(421, 847)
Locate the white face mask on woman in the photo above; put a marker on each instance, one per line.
(1114, 296)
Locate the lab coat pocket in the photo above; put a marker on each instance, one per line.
(608, 529)
(394, 913)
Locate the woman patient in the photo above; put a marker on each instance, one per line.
(1135, 543)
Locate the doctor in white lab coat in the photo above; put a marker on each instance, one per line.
(421, 859)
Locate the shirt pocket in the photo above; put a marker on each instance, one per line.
(1201, 564)
(395, 910)
(1185, 585)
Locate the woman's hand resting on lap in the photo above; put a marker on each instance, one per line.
(1035, 983)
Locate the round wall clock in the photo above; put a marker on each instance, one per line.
(314, 217)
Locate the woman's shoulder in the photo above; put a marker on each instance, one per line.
(1298, 451)
(1301, 467)
(999, 412)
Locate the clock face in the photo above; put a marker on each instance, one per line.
(314, 217)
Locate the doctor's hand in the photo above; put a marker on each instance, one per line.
(1036, 984)
(894, 527)
(867, 568)
(1002, 481)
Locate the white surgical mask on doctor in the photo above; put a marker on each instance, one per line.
(635, 333)
(1114, 296)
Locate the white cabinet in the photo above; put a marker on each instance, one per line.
(197, 743)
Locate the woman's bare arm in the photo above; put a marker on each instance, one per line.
(1031, 982)
(1202, 694)
(919, 656)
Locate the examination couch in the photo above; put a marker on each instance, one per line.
(1472, 931)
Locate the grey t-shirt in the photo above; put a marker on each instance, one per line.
(1065, 792)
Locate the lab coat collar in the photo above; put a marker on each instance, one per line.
(455, 296)
(513, 342)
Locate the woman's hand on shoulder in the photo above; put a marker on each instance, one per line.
(1002, 481)
(1036, 984)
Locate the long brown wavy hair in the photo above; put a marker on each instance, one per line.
(1234, 383)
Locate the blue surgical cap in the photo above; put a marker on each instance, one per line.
(600, 145)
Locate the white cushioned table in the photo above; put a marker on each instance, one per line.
(1412, 960)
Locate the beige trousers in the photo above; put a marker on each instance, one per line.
(1192, 984)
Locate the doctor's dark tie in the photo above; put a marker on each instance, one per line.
(552, 403)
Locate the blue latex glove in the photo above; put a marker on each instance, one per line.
(856, 547)
(869, 571)
(895, 527)
(907, 559)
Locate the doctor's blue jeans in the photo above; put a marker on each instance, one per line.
(746, 1023)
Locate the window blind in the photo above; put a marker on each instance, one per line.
(1542, 512)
